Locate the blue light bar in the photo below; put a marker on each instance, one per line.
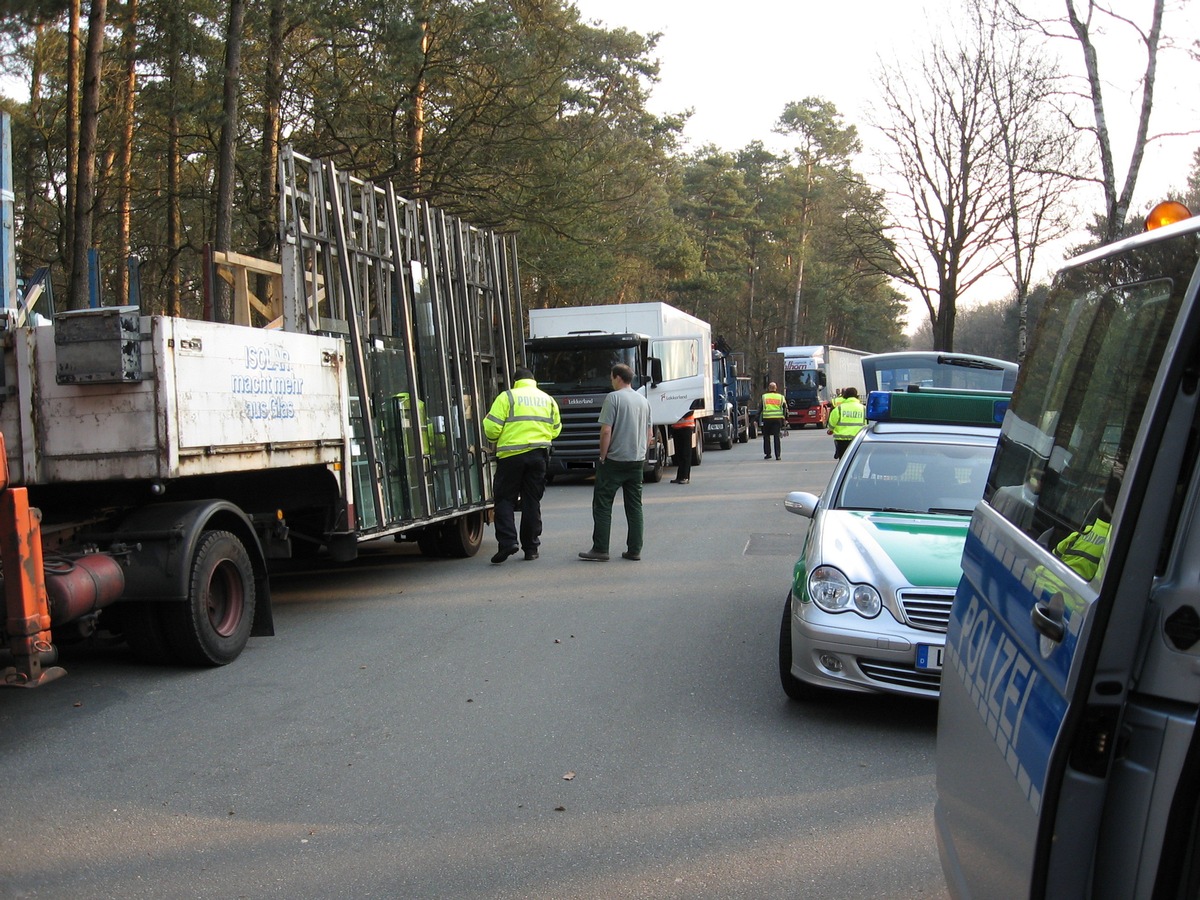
(938, 407)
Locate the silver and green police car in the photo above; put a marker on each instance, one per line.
(872, 589)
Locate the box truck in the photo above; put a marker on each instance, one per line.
(572, 351)
(813, 376)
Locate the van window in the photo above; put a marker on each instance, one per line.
(1070, 429)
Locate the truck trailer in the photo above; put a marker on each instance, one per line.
(571, 352)
(155, 465)
(813, 376)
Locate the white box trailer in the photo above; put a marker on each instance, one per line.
(572, 350)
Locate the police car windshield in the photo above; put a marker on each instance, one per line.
(922, 477)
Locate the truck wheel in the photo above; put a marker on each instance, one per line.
(792, 686)
(212, 627)
(753, 430)
(698, 453)
(727, 439)
(463, 536)
(654, 475)
(744, 435)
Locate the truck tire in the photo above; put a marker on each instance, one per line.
(727, 438)
(698, 452)
(461, 537)
(212, 627)
(745, 434)
(792, 686)
(753, 430)
(654, 475)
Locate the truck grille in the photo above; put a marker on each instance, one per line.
(900, 675)
(927, 609)
(580, 436)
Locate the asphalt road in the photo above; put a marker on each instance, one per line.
(453, 729)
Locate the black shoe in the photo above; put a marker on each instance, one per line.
(627, 555)
(531, 554)
(768, 456)
(593, 555)
(680, 481)
(778, 458)
(504, 553)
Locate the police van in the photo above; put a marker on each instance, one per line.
(1068, 760)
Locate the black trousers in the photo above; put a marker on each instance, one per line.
(681, 444)
(520, 480)
(771, 429)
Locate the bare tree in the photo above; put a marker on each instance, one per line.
(1038, 151)
(1083, 22)
(951, 207)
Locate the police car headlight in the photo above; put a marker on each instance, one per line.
(866, 601)
(829, 589)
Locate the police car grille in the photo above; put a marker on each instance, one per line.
(900, 675)
(928, 610)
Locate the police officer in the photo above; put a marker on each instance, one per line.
(846, 420)
(774, 412)
(522, 423)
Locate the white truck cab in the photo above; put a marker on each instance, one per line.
(1068, 761)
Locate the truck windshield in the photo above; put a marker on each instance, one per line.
(581, 369)
(801, 379)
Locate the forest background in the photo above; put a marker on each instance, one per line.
(522, 116)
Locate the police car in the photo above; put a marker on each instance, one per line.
(872, 589)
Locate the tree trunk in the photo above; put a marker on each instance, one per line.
(72, 129)
(269, 152)
(227, 152)
(124, 199)
(33, 165)
(1116, 199)
(416, 125)
(85, 178)
(174, 220)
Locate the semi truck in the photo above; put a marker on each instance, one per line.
(155, 465)
(730, 421)
(813, 376)
(572, 350)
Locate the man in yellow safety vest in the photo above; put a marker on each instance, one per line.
(522, 423)
(773, 415)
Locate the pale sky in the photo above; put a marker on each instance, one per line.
(736, 64)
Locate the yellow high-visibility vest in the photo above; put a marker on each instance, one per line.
(522, 419)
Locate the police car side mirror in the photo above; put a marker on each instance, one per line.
(802, 503)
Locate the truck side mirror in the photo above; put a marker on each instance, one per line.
(655, 370)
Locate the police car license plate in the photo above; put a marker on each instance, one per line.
(929, 658)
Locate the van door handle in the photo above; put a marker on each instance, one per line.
(1048, 621)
